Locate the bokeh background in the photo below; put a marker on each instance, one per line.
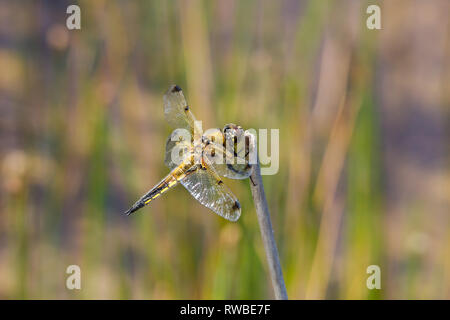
(364, 147)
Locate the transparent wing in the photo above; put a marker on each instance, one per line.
(205, 186)
(177, 149)
(176, 109)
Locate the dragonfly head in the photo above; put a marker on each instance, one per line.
(231, 130)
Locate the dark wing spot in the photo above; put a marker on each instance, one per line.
(176, 89)
(219, 182)
(236, 205)
(186, 108)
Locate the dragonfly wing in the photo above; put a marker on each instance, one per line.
(177, 149)
(176, 109)
(210, 191)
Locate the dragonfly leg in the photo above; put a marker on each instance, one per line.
(253, 182)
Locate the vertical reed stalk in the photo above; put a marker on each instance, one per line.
(265, 225)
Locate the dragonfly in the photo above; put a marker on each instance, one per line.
(200, 166)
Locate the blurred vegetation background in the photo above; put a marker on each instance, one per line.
(364, 129)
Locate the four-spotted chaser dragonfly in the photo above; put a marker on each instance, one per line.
(198, 168)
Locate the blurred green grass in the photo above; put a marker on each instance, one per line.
(83, 136)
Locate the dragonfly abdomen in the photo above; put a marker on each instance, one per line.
(163, 186)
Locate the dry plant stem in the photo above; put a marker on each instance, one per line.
(265, 225)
